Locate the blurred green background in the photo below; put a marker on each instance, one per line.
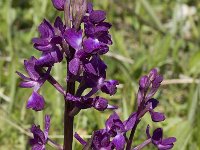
(146, 34)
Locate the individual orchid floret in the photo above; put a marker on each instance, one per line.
(149, 106)
(35, 81)
(40, 137)
(36, 102)
(155, 116)
(50, 42)
(158, 141)
(47, 38)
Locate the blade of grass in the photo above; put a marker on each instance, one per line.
(152, 14)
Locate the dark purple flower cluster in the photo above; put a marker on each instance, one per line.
(114, 135)
(82, 47)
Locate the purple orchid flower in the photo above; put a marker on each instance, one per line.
(47, 39)
(50, 38)
(35, 81)
(40, 137)
(158, 141)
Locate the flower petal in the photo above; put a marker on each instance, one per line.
(36, 102)
(157, 136)
(119, 142)
(74, 38)
(110, 87)
(100, 103)
(109, 121)
(97, 16)
(91, 44)
(59, 4)
(169, 140)
(31, 68)
(48, 59)
(74, 66)
(23, 77)
(46, 30)
(38, 147)
(157, 116)
(38, 135)
(59, 24)
(130, 122)
(28, 84)
(153, 103)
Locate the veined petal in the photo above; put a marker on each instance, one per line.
(119, 141)
(28, 84)
(41, 41)
(74, 66)
(44, 48)
(23, 77)
(130, 122)
(110, 87)
(96, 67)
(59, 24)
(105, 38)
(89, 7)
(100, 103)
(38, 147)
(91, 44)
(157, 136)
(153, 103)
(169, 140)
(74, 38)
(31, 68)
(38, 135)
(48, 59)
(36, 102)
(109, 121)
(46, 30)
(144, 82)
(59, 4)
(157, 116)
(165, 147)
(97, 16)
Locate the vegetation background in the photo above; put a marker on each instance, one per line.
(146, 34)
